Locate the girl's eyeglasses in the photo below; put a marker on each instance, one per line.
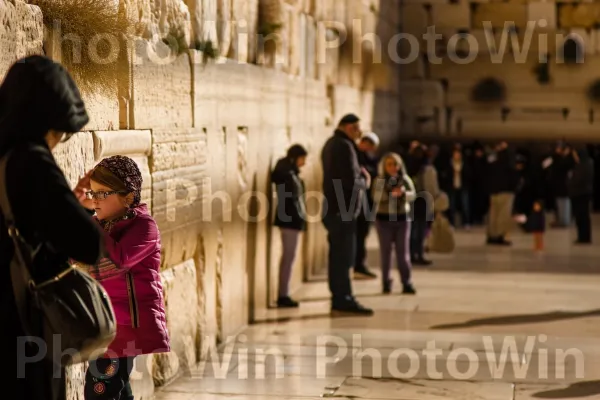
(100, 195)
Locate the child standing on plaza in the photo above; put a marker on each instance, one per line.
(129, 274)
(536, 224)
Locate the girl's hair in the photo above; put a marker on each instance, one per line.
(296, 151)
(104, 177)
(397, 159)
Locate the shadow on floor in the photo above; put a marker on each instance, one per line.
(520, 319)
(576, 390)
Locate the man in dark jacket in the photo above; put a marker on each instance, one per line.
(581, 189)
(367, 159)
(344, 186)
(291, 216)
(562, 162)
(502, 184)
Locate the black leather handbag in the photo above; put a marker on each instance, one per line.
(71, 313)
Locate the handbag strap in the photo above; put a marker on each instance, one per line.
(22, 249)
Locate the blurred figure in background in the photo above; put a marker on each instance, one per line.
(558, 177)
(581, 189)
(479, 189)
(502, 186)
(367, 158)
(456, 181)
(427, 187)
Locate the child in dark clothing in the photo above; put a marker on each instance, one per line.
(536, 224)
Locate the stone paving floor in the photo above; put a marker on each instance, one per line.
(487, 323)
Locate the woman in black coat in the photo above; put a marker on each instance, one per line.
(291, 216)
(39, 106)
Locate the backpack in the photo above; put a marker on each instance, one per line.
(442, 235)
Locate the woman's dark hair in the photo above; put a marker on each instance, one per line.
(296, 151)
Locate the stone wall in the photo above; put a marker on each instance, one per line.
(206, 134)
(437, 88)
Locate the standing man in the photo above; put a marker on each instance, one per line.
(502, 184)
(368, 160)
(344, 186)
(581, 190)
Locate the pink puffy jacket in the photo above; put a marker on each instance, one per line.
(133, 283)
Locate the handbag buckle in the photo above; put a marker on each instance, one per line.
(13, 232)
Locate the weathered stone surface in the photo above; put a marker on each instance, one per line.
(103, 111)
(21, 32)
(141, 380)
(76, 157)
(499, 14)
(181, 301)
(179, 168)
(451, 15)
(168, 104)
(161, 19)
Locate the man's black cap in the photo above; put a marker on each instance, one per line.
(349, 119)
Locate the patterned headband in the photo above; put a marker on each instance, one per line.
(128, 172)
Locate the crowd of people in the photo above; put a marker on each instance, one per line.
(402, 194)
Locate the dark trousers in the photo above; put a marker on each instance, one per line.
(480, 204)
(341, 235)
(394, 235)
(459, 200)
(417, 239)
(363, 226)
(108, 379)
(582, 211)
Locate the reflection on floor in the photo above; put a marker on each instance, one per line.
(487, 323)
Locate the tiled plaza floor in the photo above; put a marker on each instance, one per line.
(487, 323)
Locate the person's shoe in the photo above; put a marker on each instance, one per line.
(493, 240)
(351, 307)
(422, 261)
(409, 289)
(363, 273)
(582, 242)
(287, 302)
(504, 242)
(387, 287)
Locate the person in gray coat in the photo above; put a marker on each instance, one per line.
(581, 189)
(393, 193)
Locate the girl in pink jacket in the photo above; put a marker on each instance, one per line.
(129, 273)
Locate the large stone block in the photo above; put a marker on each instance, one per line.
(584, 15)
(181, 302)
(542, 11)
(161, 90)
(414, 19)
(451, 15)
(422, 94)
(498, 15)
(179, 173)
(21, 32)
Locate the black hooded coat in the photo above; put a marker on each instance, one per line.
(38, 95)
